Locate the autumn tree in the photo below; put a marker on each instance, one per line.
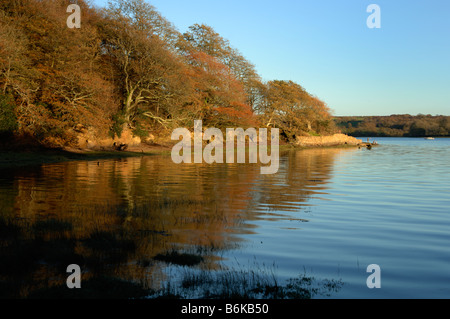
(52, 71)
(221, 97)
(16, 74)
(203, 38)
(288, 106)
(145, 71)
(129, 67)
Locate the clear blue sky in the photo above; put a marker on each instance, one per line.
(326, 46)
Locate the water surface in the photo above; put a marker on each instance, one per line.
(328, 213)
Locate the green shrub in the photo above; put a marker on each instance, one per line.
(117, 126)
(139, 131)
(8, 119)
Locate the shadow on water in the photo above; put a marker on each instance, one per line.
(35, 257)
(126, 221)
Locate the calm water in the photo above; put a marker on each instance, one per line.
(328, 213)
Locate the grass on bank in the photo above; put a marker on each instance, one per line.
(252, 282)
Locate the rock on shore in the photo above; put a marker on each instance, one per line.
(89, 139)
(331, 140)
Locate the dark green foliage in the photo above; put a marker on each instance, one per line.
(118, 121)
(140, 131)
(8, 119)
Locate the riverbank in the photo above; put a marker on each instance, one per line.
(19, 158)
(36, 156)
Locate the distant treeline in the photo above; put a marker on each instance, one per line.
(395, 125)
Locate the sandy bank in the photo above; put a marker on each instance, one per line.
(331, 140)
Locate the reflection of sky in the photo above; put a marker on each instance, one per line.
(387, 206)
(404, 67)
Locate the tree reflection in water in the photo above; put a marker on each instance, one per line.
(127, 221)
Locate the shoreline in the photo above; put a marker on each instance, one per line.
(16, 158)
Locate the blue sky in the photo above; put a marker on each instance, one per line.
(326, 46)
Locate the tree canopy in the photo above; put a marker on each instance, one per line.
(129, 67)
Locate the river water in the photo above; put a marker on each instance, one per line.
(328, 213)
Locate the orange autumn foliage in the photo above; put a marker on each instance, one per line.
(128, 67)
